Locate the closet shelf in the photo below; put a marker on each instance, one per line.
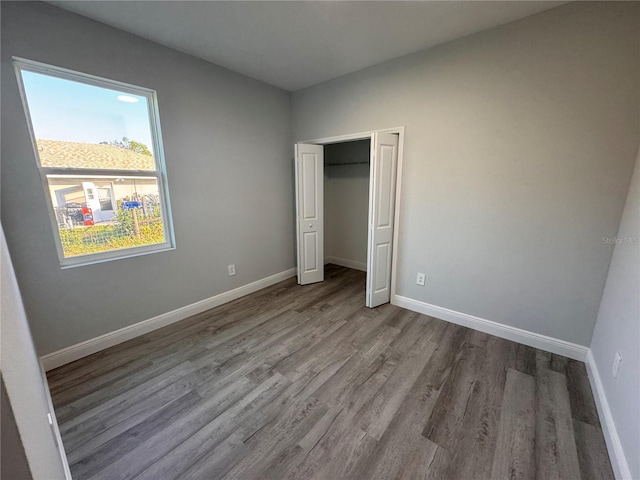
(346, 164)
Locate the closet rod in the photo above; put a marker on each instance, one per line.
(343, 164)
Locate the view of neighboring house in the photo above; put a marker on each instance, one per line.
(100, 194)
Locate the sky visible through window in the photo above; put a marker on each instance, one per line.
(76, 112)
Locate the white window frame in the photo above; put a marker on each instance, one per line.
(160, 173)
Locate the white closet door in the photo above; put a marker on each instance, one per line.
(382, 194)
(310, 212)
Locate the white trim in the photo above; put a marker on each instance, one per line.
(68, 74)
(53, 423)
(396, 215)
(343, 262)
(614, 445)
(89, 347)
(123, 253)
(342, 138)
(532, 339)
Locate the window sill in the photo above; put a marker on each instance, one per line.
(83, 260)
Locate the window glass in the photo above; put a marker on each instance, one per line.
(91, 224)
(76, 125)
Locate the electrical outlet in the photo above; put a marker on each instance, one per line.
(420, 279)
(617, 361)
(232, 270)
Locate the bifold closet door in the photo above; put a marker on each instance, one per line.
(309, 165)
(382, 196)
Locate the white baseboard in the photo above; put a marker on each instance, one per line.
(616, 452)
(343, 262)
(89, 347)
(536, 340)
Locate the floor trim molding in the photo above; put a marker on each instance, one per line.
(89, 347)
(532, 339)
(343, 262)
(614, 445)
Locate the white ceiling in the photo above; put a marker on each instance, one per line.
(293, 45)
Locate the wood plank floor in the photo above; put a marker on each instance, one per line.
(305, 382)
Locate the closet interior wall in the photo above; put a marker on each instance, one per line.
(346, 202)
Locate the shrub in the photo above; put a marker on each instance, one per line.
(103, 238)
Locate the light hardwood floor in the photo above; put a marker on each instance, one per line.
(305, 382)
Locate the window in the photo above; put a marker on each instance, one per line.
(99, 152)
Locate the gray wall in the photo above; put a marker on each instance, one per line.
(520, 144)
(13, 460)
(618, 329)
(25, 388)
(346, 200)
(228, 151)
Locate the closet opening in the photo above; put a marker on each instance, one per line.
(346, 203)
(346, 194)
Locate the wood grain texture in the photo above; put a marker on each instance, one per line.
(515, 448)
(306, 383)
(592, 452)
(556, 452)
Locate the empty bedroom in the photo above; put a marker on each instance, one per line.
(320, 240)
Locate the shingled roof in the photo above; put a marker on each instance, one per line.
(57, 153)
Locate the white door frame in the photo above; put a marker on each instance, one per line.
(396, 213)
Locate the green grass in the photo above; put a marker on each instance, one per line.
(104, 238)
